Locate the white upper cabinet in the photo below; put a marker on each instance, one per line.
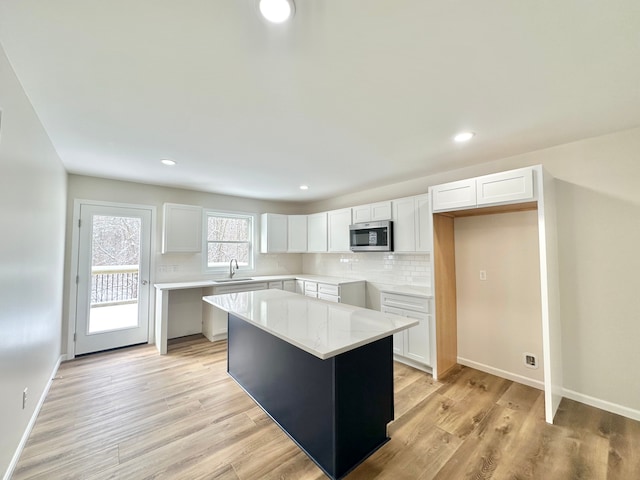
(404, 225)
(454, 195)
(297, 234)
(373, 212)
(338, 222)
(424, 235)
(273, 233)
(317, 232)
(505, 187)
(513, 186)
(181, 228)
(411, 224)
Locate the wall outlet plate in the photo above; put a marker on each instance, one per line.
(530, 360)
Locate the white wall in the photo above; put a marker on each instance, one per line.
(598, 196)
(174, 266)
(499, 317)
(32, 214)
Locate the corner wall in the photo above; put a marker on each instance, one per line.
(598, 212)
(499, 317)
(32, 213)
(171, 267)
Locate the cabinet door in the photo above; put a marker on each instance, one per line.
(505, 187)
(381, 211)
(181, 228)
(339, 221)
(404, 228)
(317, 232)
(361, 213)
(297, 233)
(289, 285)
(424, 235)
(417, 339)
(398, 338)
(299, 287)
(454, 195)
(273, 233)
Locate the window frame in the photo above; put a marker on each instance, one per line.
(214, 212)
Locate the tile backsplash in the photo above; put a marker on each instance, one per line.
(378, 267)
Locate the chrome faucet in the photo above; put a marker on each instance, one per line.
(232, 271)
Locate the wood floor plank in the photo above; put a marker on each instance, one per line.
(132, 414)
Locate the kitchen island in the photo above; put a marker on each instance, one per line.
(322, 371)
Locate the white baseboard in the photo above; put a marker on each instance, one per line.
(32, 422)
(602, 404)
(502, 373)
(573, 395)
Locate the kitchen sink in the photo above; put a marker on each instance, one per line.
(238, 279)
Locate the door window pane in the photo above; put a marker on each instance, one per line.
(115, 266)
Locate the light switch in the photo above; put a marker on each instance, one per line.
(483, 275)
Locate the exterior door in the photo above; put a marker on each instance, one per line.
(114, 250)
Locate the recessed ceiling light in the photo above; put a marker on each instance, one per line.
(168, 161)
(276, 11)
(304, 187)
(463, 137)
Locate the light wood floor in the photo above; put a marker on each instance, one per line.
(133, 414)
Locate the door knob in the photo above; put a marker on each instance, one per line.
(144, 282)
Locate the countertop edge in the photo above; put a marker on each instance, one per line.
(321, 355)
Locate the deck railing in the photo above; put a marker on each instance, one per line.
(114, 285)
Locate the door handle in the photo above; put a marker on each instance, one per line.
(144, 282)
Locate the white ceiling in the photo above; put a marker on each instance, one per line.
(350, 95)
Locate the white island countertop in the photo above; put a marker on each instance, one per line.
(323, 329)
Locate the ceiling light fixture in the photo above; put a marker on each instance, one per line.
(168, 161)
(276, 11)
(463, 137)
(304, 187)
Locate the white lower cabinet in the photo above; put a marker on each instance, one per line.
(289, 285)
(214, 320)
(413, 345)
(350, 293)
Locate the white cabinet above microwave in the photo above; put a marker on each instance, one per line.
(372, 212)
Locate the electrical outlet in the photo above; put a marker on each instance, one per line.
(483, 275)
(530, 360)
(24, 397)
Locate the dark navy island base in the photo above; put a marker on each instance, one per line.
(336, 410)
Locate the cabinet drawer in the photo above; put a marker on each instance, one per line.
(310, 287)
(289, 285)
(404, 302)
(395, 311)
(328, 289)
(330, 298)
(277, 285)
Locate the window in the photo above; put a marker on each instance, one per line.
(229, 236)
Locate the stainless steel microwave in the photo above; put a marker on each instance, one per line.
(371, 236)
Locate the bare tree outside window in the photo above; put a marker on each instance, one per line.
(115, 257)
(229, 237)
